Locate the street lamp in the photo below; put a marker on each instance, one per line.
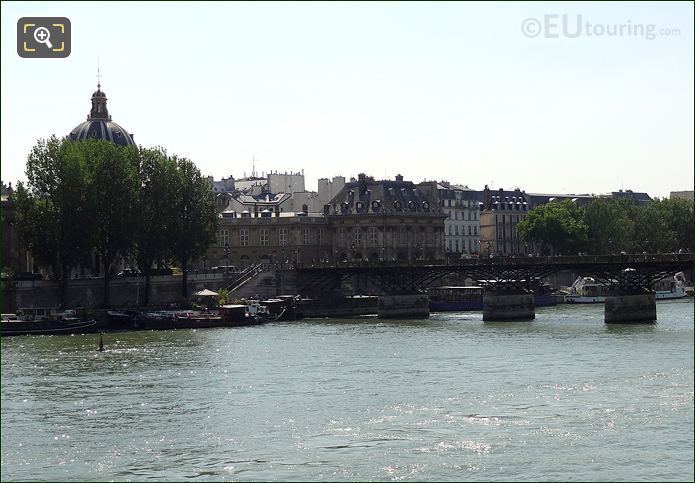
(352, 251)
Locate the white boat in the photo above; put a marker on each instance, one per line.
(674, 288)
(585, 290)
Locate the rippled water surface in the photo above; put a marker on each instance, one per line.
(564, 397)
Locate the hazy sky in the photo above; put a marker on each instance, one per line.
(442, 91)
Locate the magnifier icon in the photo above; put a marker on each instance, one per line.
(43, 36)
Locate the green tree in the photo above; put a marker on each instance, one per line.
(113, 184)
(610, 225)
(664, 225)
(52, 208)
(558, 227)
(223, 296)
(196, 217)
(678, 214)
(157, 216)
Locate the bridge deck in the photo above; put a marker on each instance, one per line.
(632, 260)
(622, 271)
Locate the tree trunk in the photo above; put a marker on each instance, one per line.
(107, 279)
(184, 281)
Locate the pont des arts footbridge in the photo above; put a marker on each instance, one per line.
(507, 282)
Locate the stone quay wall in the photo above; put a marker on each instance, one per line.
(89, 293)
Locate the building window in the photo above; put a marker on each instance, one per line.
(223, 237)
(341, 237)
(320, 236)
(457, 245)
(469, 230)
(283, 236)
(306, 236)
(373, 236)
(356, 236)
(244, 237)
(475, 230)
(401, 235)
(264, 237)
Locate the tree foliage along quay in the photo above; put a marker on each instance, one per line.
(195, 215)
(607, 225)
(557, 227)
(52, 209)
(112, 179)
(92, 196)
(156, 222)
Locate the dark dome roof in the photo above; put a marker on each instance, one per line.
(99, 124)
(102, 129)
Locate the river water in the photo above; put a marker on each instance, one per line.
(565, 397)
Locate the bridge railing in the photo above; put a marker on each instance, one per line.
(641, 258)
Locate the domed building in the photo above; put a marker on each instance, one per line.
(99, 124)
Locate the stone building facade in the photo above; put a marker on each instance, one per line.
(686, 195)
(462, 225)
(500, 213)
(265, 237)
(367, 220)
(386, 220)
(285, 190)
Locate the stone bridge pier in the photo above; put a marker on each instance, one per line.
(630, 308)
(513, 304)
(404, 305)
